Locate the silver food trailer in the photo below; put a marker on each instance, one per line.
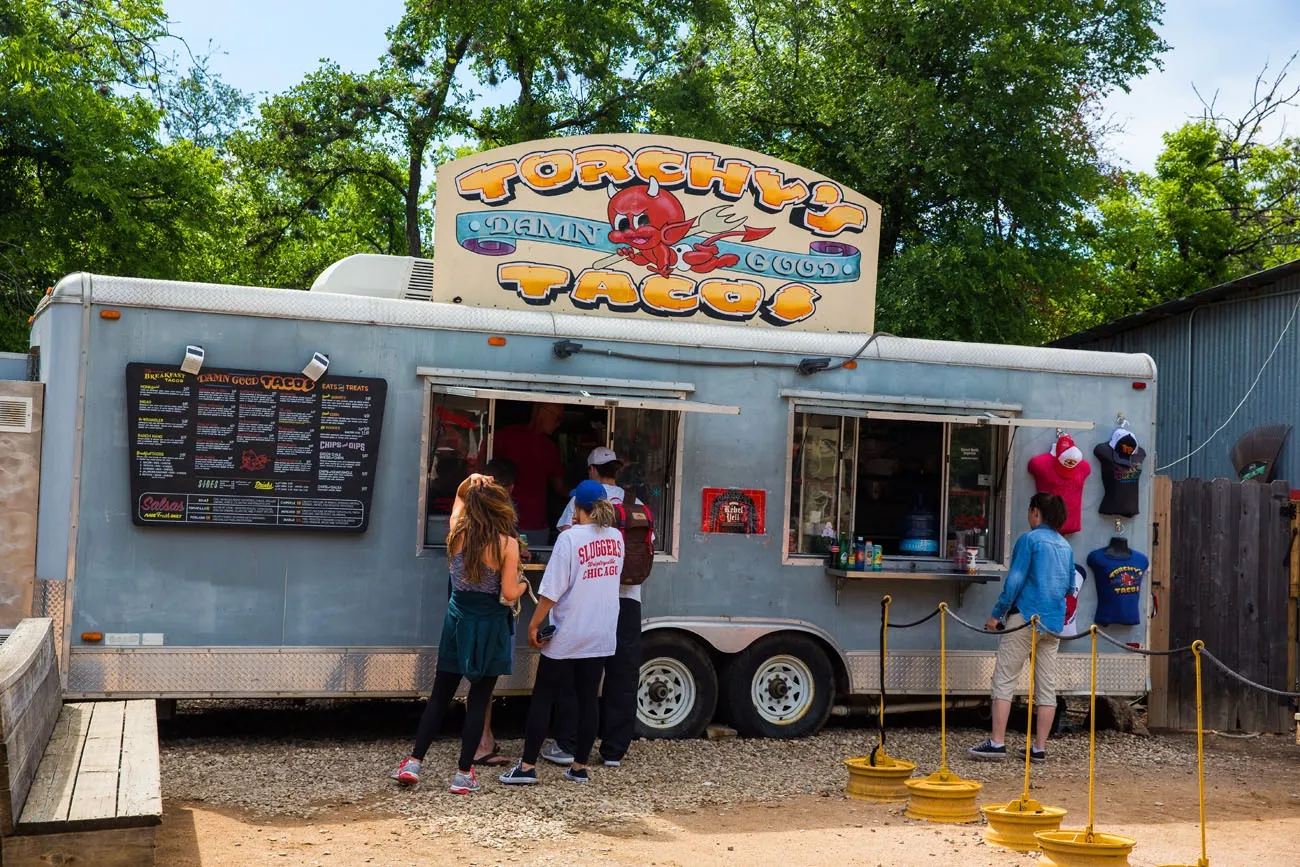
(244, 491)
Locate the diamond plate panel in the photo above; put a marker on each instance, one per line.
(48, 601)
(266, 672)
(971, 672)
(293, 304)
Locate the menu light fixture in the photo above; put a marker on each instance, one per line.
(316, 368)
(192, 363)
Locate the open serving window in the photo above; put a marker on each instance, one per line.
(547, 427)
(916, 476)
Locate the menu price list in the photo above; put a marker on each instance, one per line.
(252, 448)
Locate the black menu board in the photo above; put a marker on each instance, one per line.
(247, 448)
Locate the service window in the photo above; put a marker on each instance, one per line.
(468, 432)
(918, 488)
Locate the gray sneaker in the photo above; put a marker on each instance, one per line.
(408, 772)
(463, 784)
(552, 753)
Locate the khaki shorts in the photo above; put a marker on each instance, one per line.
(1013, 654)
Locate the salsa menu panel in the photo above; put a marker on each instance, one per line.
(247, 448)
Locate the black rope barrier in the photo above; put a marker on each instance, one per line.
(927, 617)
(1248, 682)
(1122, 645)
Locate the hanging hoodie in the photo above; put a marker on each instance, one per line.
(1121, 470)
(1062, 471)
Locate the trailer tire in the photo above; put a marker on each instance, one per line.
(677, 691)
(781, 686)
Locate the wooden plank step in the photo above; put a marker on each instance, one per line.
(121, 847)
(56, 776)
(139, 791)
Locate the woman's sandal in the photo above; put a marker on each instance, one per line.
(492, 760)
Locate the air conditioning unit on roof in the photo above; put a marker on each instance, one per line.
(377, 276)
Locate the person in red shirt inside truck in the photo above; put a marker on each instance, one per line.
(538, 468)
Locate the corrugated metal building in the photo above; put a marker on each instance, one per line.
(1209, 348)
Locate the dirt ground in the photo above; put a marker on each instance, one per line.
(1253, 794)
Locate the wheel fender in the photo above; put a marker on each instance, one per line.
(731, 635)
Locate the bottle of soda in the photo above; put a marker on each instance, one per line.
(834, 560)
(846, 555)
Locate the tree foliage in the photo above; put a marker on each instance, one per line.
(1222, 202)
(976, 126)
(85, 182)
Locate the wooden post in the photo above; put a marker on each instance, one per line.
(1293, 603)
(1161, 578)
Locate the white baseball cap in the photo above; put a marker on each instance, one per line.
(601, 455)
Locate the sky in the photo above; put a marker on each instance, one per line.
(1215, 45)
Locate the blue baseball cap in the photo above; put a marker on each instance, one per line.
(587, 493)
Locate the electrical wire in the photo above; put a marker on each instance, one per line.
(1249, 391)
(705, 362)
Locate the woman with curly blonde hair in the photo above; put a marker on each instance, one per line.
(483, 556)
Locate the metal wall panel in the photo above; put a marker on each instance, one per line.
(1226, 344)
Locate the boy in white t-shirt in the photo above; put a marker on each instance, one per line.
(579, 591)
(623, 669)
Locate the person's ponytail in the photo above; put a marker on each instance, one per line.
(602, 513)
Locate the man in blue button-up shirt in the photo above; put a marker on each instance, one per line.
(1042, 567)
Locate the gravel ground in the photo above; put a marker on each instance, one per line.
(310, 770)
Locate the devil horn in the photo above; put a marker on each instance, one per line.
(612, 190)
(654, 188)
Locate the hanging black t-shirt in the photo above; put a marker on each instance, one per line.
(1119, 480)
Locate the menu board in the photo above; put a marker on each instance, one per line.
(247, 448)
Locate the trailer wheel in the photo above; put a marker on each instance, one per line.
(678, 689)
(781, 686)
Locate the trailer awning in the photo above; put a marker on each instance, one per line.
(575, 390)
(923, 409)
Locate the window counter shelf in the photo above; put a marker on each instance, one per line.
(963, 580)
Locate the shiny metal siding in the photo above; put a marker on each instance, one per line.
(1227, 343)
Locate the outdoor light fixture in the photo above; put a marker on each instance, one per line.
(566, 348)
(316, 368)
(193, 360)
(811, 365)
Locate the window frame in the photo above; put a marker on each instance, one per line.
(945, 411)
(580, 391)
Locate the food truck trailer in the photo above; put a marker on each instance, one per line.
(245, 491)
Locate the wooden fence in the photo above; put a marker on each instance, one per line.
(1222, 572)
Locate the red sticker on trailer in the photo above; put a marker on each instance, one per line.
(734, 510)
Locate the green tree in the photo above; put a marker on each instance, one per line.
(85, 183)
(202, 108)
(1222, 202)
(575, 67)
(973, 124)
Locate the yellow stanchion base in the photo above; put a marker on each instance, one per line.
(1014, 824)
(943, 797)
(881, 782)
(1077, 849)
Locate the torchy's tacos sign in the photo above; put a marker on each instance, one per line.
(649, 226)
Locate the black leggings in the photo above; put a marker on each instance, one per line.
(444, 690)
(558, 679)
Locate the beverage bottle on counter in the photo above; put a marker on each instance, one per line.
(846, 552)
(860, 556)
(877, 559)
(834, 560)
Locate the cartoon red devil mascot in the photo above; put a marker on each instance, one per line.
(649, 223)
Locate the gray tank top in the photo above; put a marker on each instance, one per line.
(489, 578)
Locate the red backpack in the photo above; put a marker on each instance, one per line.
(637, 527)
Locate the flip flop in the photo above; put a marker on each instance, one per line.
(492, 760)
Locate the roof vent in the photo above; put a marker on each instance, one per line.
(420, 285)
(378, 277)
(15, 415)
